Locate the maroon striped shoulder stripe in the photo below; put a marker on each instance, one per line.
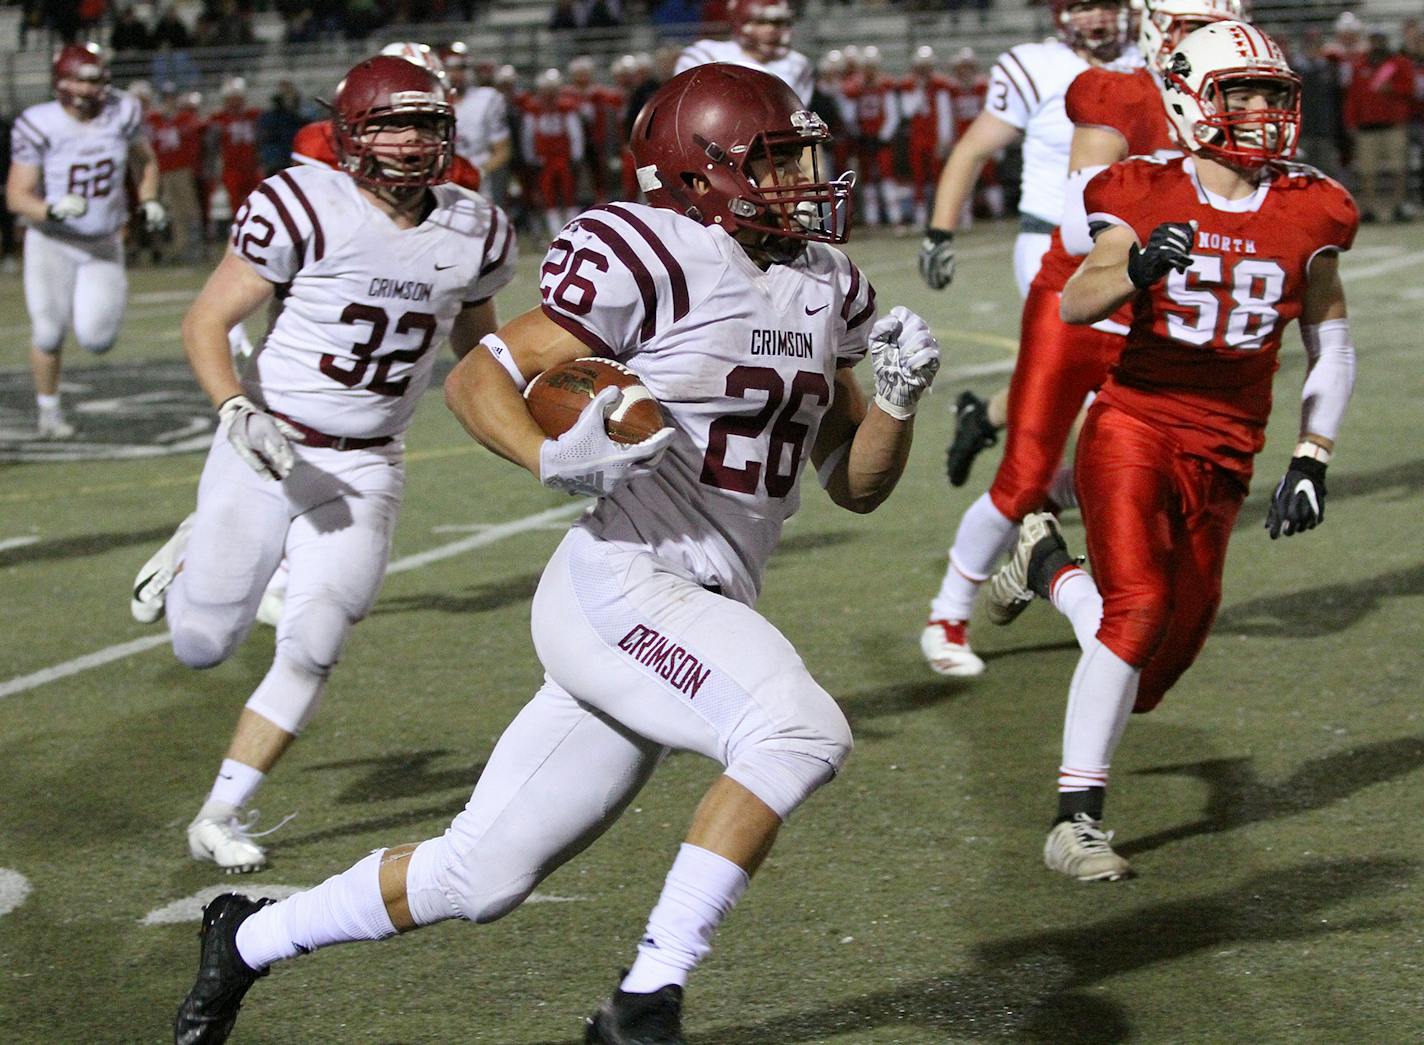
(34, 132)
(611, 239)
(1037, 98)
(283, 213)
(494, 263)
(318, 240)
(851, 292)
(869, 309)
(676, 276)
(1008, 79)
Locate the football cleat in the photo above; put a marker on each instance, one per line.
(638, 1019)
(1011, 588)
(52, 425)
(227, 842)
(274, 597)
(945, 644)
(210, 1009)
(1080, 849)
(973, 432)
(154, 580)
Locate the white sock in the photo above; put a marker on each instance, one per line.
(345, 907)
(1075, 595)
(984, 534)
(700, 890)
(1099, 702)
(47, 403)
(233, 787)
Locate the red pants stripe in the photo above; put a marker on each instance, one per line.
(1158, 523)
(1058, 365)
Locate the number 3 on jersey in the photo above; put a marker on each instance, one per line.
(1256, 289)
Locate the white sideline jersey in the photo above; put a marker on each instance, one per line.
(1026, 89)
(364, 304)
(481, 120)
(742, 361)
(794, 68)
(88, 158)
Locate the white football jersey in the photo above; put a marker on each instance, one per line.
(88, 158)
(742, 361)
(1026, 89)
(794, 68)
(481, 120)
(365, 305)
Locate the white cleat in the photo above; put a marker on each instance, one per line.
(227, 842)
(1007, 593)
(1080, 849)
(52, 425)
(154, 580)
(945, 644)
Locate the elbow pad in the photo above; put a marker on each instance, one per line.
(1331, 379)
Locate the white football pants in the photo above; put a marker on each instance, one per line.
(74, 283)
(333, 517)
(638, 658)
(1029, 249)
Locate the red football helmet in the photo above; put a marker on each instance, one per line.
(389, 92)
(706, 127)
(83, 63)
(762, 27)
(1099, 27)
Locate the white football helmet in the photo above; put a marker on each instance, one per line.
(924, 58)
(1163, 24)
(1211, 62)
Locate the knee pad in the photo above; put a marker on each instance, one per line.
(289, 694)
(784, 766)
(46, 338)
(440, 885)
(316, 635)
(95, 347)
(205, 642)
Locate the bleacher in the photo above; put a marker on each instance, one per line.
(514, 32)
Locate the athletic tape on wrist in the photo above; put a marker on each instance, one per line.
(1313, 451)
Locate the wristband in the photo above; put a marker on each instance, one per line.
(496, 347)
(1311, 451)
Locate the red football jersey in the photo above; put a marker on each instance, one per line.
(177, 140)
(237, 137)
(1204, 343)
(1129, 103)
(316, 142)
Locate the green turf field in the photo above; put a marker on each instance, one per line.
(1271, 806)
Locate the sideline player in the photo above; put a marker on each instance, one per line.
(1114, 114)
(1216, 252)
(378, 264)
(707, 295)
(69, 160)
(761, 39)
(481, 115)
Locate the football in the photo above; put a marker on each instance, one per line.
(558, 395)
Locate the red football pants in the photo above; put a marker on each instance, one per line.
(1158, 522)
(924, 167)
(556, 183)
(1058, 365)
(877, 163)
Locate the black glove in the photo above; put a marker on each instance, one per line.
(1169, 247)
(1299, 501)
(937, 258)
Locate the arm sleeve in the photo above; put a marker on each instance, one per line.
(575, 130)
(1330, 380)
(1010, 91)
(943, 103)
(1077, 237)
(270, 231)
(501, 251)
(857, 316)
(892, 116)
(526, 138)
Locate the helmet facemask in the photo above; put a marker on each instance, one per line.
(87, 103)
(1245, 138)
(399, 149)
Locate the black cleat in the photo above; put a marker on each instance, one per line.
(973, 432)
(638, 1019)
(210, 1009)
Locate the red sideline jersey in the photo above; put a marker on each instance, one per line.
(1203, 348)
(1129, 103)
(316, 144)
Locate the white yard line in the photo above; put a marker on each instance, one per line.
(1380, 268)
(109, 654)
(18, 542)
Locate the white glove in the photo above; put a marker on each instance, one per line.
(905, 356)
(66, 207)
(155, 215)
(586, 460)
(259, 438)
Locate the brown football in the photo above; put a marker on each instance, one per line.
(558, 395)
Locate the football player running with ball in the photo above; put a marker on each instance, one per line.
(726, 297)
(376, 265)
(1216, 252)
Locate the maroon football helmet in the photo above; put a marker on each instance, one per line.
(83, 63)
(1099, 27)
(390, 92)
(762, 27)
(713, 123)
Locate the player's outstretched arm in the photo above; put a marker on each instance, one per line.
(986, 136)
(1101, 285)
(861, 450)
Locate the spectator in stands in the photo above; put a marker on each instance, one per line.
(1379, 104)
(1322, 99)
(278, 126)
(171, 31)
(564, 16)
(129, 33)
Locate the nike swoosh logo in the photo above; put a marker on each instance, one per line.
(442, 268)
(812, 311)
